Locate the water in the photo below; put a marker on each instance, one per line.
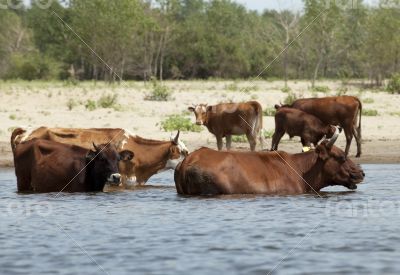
(155, 231)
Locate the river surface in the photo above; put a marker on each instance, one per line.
(154, 231)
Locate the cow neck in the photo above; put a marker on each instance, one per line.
(155, 157)
(311, 167)
(92, 182)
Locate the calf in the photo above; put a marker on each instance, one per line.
(298, 123)
(227, 119)
(48, 166)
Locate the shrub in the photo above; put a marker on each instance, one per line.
(321, 89)
(239, 139)
(90, 105)
(12, 117)
(286, 90)
(368, 100)
(107, 101)
(394, 84)
(71, 104)
(369, 112)
(291, 97)
(179, 122)
(232, 87)
(269, 112)
(159, 93)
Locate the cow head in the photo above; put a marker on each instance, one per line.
(104, 163)
(200, 111)
(177, 152)
(337, 169)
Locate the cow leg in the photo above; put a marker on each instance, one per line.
(276, 138)
(252, 141)
(228, 142)
(219, 143)
(349, 136)
(358, 140)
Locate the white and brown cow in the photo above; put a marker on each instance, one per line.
(227, 119)
(151, 156)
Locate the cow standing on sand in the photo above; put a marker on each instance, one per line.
(209, 172)
(48, 166)
(295, 122)
(336, 110)
(227, 119)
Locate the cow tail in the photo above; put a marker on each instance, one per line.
(259, 124)
(14, 135)
(359, 119)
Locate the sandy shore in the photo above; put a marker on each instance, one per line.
(34, 104)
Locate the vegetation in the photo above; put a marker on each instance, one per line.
(320, 89)
(394, 84)
(107, 101)
(159, 92)
(186, 39)
(269, 112)
(290, 98)
(368, 100)
(179, 122)
(369, 112)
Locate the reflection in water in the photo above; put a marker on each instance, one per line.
(152, 230)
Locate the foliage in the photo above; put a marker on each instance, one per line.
(159, 92)
(71, 104)
(290, 98)
(286, 89)
(90, 105)
(368, 100)
(369, 112)
(269, 112)
(320, 89)
(179, 122)
(107, 101)
(394, 84)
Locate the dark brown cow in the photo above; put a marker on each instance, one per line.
(48, 166)
(151, 156)
(295, 122)
(227, 119)
(337, 110)
(209, 172)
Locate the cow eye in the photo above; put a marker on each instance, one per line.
(342, 159)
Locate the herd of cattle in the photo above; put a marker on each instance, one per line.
(84, 160)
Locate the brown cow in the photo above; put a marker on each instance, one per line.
(48, 166)
(151, 156)
(209, 172)
(295, 122)
(227, 119)
(336, 110)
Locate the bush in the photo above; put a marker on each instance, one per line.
(90, 105)
(394, 84)
(239, 139)
(159, 92)
(369, 112)
(71, 104)
(321, 89)
(32, 66)
(368, 100)
(179, 122)
(291, 97)
(107, 101)
(286, 90)
(269, 112)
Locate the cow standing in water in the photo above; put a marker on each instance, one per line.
(209, 172)
(336, 110)
(48, 166)
(227, 119)
(151, 156)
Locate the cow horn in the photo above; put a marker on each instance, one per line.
(333, 139)
(176, 139)
(95, 147)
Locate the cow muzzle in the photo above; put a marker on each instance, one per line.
(115, 179)
(199, 122)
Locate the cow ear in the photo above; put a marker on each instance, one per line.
(322, 151)
(90, 155)
(126, 155)
(191, 109)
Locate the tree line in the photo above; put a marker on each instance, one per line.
(187, 39)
